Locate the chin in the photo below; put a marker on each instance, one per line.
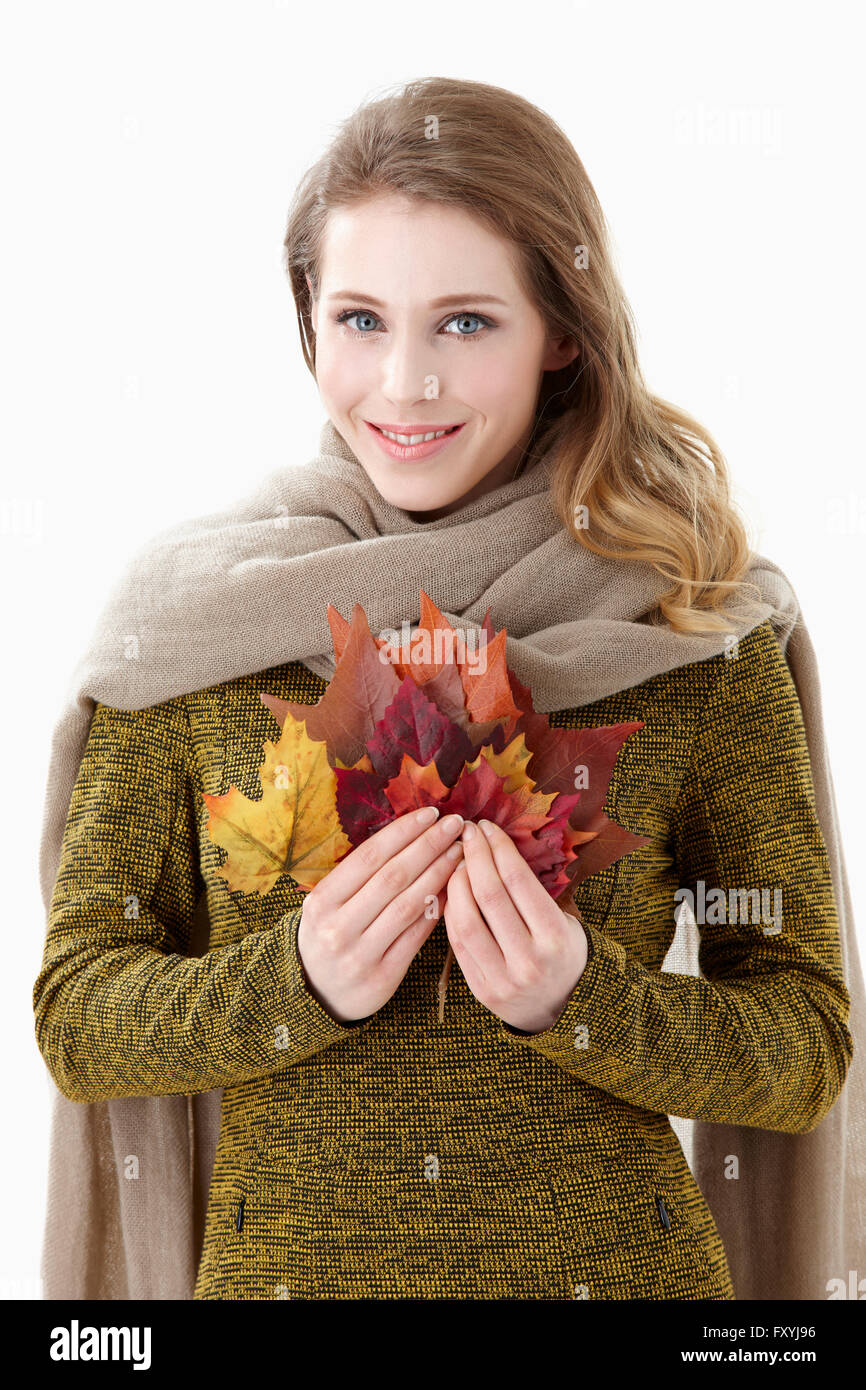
(409, 501)
(407, 494)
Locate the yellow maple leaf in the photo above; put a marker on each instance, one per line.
(510, 764)
(292, 829)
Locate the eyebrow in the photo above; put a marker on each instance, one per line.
(440, 303)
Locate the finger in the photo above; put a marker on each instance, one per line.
(400, 882)
(406, 946)
(490, 893)
(352, 873)
(470, 969)
(421, 896)
(538, 912)
(467, 930)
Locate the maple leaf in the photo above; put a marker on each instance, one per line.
(412, 724)
(439, 721)
(362, 805)
(497, 788)
(357, 696)
(415, 786)
(437, 653)
(293, 828)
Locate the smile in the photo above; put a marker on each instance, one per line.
(414, 442)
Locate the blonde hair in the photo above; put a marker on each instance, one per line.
(652, 480)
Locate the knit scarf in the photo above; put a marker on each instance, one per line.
(247, 588)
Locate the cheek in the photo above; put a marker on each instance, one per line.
(341, 376)
(502, 384)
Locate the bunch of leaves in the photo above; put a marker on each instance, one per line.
(425, 725)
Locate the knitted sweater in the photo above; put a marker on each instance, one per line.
(401, 1157)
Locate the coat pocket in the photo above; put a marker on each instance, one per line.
(637, 1236)
(221, 1267)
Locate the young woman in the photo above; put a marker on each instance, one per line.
(489, 439)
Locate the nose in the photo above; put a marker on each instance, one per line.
(407, 373)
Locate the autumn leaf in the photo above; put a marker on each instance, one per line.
(293, 828)
(415, 786)
(439, 721)
(511, 762)
(412, 724)
(357, 696)
(362, 805)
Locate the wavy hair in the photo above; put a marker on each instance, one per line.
(650, 479)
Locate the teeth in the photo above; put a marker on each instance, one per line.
(415, 438)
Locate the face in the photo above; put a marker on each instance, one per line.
(422, 325)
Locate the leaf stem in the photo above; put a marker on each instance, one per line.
(443, 981)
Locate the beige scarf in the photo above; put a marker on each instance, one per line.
(246, 589)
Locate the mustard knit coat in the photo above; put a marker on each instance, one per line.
(403, 1158)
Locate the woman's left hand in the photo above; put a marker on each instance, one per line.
(520, 954)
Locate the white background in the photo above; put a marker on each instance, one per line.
(151, 365)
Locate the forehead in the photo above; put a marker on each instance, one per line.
(406, 251)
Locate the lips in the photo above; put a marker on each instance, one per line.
(409, 453)
(424, 427)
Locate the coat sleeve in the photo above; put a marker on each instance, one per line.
(121, 1007)
(761, 1036)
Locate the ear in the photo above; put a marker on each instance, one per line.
(314, 311)
(560, 351)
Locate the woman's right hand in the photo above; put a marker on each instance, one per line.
(366, 920)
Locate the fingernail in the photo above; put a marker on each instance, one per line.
(468, 830)
(428, 815)
(452, 822)
(486, 826)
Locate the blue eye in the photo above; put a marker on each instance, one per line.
(462, 318)
(466, 314)
(353, 314)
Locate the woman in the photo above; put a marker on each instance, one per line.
(452, 277)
